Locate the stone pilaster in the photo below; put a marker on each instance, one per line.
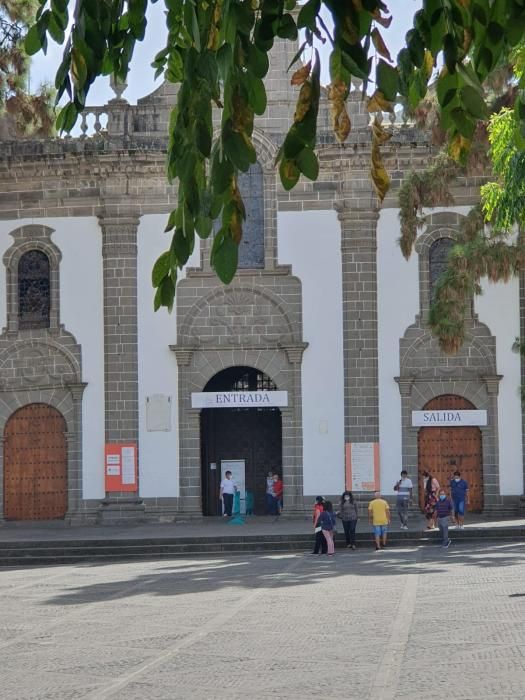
(119, 252)
(358, 245)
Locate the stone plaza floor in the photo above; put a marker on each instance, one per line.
(403, 624)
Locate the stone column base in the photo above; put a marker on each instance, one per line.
(115, 512)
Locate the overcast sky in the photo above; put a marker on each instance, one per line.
(140, 78)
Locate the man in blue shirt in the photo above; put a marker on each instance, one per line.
(460, 497)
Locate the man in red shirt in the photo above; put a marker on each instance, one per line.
(320, 545)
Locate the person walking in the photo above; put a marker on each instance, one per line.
(460, 498)
(327, 522)
(431, 490)
(269, 501)
(278, 494)
(348, 514)
(443, 510)
(379, 518)
(228, 490)
(404, 489)
(320, 542)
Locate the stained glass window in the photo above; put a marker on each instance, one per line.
(33, 290)
(251, 247)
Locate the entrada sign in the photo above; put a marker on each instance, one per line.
(239, 399)
(451, 417)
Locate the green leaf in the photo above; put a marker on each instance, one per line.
(181, 247)
(257, 94)
(224, 256)
(160, 269)
(221, 173)
(387, 80)
(474, 102)
(308, 164)
(289, 173)
(32, 42)
(66, 118)
(308, 14)
(287, 28)
(203, 226)
(171, 221)
(257, 61)
(167, 293)
(463, 123)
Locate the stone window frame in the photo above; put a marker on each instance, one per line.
(423, 246)
(266, 151)
(26, 239)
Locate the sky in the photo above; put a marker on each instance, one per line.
(140, 78)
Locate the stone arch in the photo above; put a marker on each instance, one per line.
(239, 315)
(40, 362)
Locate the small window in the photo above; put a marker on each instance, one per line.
(33, 290)
(251, 247)
(437, 258)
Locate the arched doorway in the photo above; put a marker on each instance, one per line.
(35, 464)
(442, 450)
(252, 435)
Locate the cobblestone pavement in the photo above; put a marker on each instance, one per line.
(403, 624)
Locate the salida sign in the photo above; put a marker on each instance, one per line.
(239, 399)
(450, 417)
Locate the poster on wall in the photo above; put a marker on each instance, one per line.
(120, 467)
(362, 466)
(238, 469)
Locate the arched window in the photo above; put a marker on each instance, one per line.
(437, 259)
(34, 288)
(251, 248)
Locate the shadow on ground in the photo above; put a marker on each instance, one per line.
(208, 574)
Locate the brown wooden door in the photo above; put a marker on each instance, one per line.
(443, 450)
(35, 464)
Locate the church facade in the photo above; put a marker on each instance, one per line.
(325, 320)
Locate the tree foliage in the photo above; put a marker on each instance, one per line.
(27, 113)
(217, 51)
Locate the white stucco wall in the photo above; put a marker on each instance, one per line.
(498, 307)
(81, 312)
(397, 306)
(311, 243)
(158, 373)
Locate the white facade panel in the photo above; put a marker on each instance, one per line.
(157, 371)
(498, 307)
(5, 242)
(311, 243)
(397, 306)
(82, 313)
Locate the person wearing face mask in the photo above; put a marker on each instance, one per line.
(348, 514)
(443, 510)
(460, 497)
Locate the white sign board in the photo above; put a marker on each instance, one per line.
(239, 399)
(238, 469)
(362, 466)
(158, 413)
(450, 417)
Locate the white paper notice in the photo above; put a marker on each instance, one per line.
(112, 459)
(363, 466)
(112, 470)
(128, 465)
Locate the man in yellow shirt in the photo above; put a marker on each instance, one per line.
(379, 518)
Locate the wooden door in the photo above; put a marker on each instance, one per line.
(443, 450)
(35, 464)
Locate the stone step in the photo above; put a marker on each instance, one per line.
(52, 552)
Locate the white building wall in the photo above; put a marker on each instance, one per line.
(498, 307)
(397, 306)
(81, 312)
(158, 372)
(311, 243)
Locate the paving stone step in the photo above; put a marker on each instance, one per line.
(50, 552)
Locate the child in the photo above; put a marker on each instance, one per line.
(327, 522)
(443, 510)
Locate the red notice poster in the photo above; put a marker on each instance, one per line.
(120, 467)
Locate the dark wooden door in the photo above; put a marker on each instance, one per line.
(443, 450)
(252, 434)
(35, 464)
